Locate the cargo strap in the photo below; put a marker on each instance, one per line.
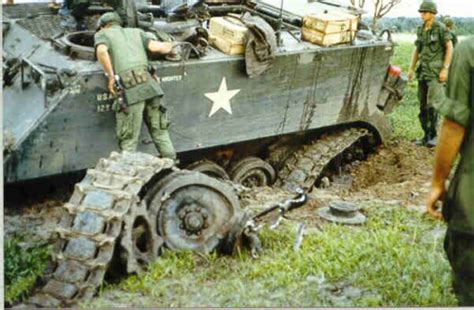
(134, 77)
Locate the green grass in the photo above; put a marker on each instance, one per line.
(404, 118)
(392, 261)
(22, 268)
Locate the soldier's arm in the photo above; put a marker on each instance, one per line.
(449, 144)
(103, 57)
(159, 47)
(414, 60)
(443, 75)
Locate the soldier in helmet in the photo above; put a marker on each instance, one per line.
(457, 136)
(433, 52)
(449, 22)
(123, 52)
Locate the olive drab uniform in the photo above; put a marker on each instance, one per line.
(431, 48)
(127, 50)
(458, 207)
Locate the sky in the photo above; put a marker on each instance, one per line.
(408, 8)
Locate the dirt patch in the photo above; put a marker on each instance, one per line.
(399, 171)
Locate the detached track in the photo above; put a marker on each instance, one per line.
(92, 223)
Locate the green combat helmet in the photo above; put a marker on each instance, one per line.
(449, 22)
(428, 6)
(109, 17)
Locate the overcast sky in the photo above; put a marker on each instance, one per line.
(409, 8)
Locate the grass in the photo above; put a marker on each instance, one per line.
(22, 268)
(393, 261)
(404, 118)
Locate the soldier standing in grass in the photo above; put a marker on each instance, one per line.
(457, 135)
(122, 52)
(433, 51)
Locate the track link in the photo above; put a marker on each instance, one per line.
(91, 224)
(305, 166)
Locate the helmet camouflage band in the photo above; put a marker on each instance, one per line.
(428, 6)
(107, 18)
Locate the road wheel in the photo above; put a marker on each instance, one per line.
(209, 168)
(252, 172)
(192, 211)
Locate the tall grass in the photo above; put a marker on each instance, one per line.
(404, 118)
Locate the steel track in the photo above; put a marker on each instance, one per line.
(305, 166)
(92, 222)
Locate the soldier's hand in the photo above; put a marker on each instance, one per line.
(443, 75)
(110, 86)
(436, 194)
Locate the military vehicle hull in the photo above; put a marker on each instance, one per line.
(212, 103)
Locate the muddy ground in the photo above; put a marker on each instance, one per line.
(397, 174)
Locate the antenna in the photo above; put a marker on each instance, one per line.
(280, 23)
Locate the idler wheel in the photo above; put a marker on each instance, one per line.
(192, 211)
(209, 168)
(252, 172)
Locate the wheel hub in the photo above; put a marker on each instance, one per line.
(193, 219)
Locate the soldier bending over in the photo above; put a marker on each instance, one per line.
(122, 52)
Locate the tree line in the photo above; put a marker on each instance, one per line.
(464, 25)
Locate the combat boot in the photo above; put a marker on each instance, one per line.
(432, 142)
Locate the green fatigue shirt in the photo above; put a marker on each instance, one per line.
(454, 39)
(127, 49)
(431, 48)
(458, 106)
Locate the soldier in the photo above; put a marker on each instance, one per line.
(449, 22)
(434, 51)
(123, 51)
(457, 134)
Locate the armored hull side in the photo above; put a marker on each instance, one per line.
(211, 101)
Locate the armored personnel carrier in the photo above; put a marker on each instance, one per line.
(315, 107)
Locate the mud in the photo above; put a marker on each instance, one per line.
(397, 174)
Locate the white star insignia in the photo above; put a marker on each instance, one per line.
(221, 98)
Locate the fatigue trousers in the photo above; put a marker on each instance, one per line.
(459, 248)
(129, 126)
(430, 93)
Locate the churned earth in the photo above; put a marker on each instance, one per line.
(335, 265)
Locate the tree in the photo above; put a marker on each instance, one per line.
(381, 8)
(358, 3)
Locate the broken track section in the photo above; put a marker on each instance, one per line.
(304, 167)
(91, 224)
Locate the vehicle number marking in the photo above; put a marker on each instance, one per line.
(106, 107)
